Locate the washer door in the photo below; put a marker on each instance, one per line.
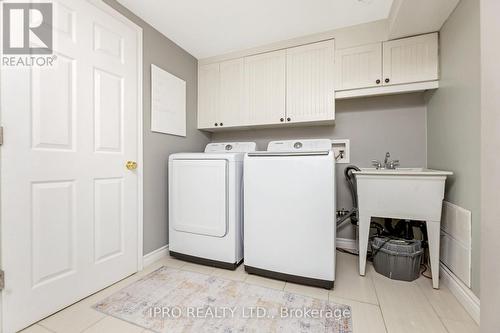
(198, 197)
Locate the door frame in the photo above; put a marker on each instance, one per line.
(101, 5)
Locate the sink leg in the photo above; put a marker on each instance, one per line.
(364, 230)
(433, 234)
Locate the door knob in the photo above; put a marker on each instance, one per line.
(131, 165)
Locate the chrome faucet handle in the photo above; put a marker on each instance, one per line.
(377, 164)
(393, 164)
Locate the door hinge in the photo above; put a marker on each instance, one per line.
(2, 279)
(1, 135)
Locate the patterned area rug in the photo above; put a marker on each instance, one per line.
(171, 300)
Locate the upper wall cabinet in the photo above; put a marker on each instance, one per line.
(410, 63)
(300, 84)
(232, 110)
(359, 67)
(413, 59)
(208, 95)
(294, 85)
(310, 82)
(265, 88)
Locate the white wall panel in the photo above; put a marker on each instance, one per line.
(456, 241)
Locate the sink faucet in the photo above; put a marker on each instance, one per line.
(387, 156)
(388, 164)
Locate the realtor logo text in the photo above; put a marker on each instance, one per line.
(27, 38)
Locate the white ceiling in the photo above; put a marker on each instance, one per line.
(207, 28)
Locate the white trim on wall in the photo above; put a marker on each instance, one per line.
(162, 252)
(155, 255)
(140, 154)
(347, 244)
(387, 90)
(376, 31)
(464, 295)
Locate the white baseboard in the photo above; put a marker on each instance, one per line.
(158, 254)
(464, 295)
(346, 244)
(155, 255)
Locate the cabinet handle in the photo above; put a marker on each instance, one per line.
(216, 124)
(387, 80)
(221, 124)
(378, 81)
(288, 119)
(282, 119)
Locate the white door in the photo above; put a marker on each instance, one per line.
(69, 207)
(310, 82)
(358, 67)
(208, 95)
(232, 93)
(198, 197)
(265, 88)
(409, 60)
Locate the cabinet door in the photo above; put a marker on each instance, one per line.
(208, 95)
(265, 88)
(358, 67)
(310, 82)
(409, 60)
(232, 93)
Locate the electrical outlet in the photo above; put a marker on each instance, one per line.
(342, 150)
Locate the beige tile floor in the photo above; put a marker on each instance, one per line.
(378, 304)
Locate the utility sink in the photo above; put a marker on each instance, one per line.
(403, 172)
(404, 193)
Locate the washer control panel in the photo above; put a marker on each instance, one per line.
(300, 145)
(230, 147)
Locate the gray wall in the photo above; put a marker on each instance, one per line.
(490, 166)
(373, 125)
(454, 117)
(161, 51)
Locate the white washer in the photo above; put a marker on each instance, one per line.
(205, 204)
(290, 212)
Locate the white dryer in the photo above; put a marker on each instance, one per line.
(205, 204)
(290, 212)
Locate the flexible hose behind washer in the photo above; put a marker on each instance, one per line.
(349, 176)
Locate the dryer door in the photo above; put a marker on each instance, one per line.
(198, 196)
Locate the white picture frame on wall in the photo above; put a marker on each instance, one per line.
(168, 103)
